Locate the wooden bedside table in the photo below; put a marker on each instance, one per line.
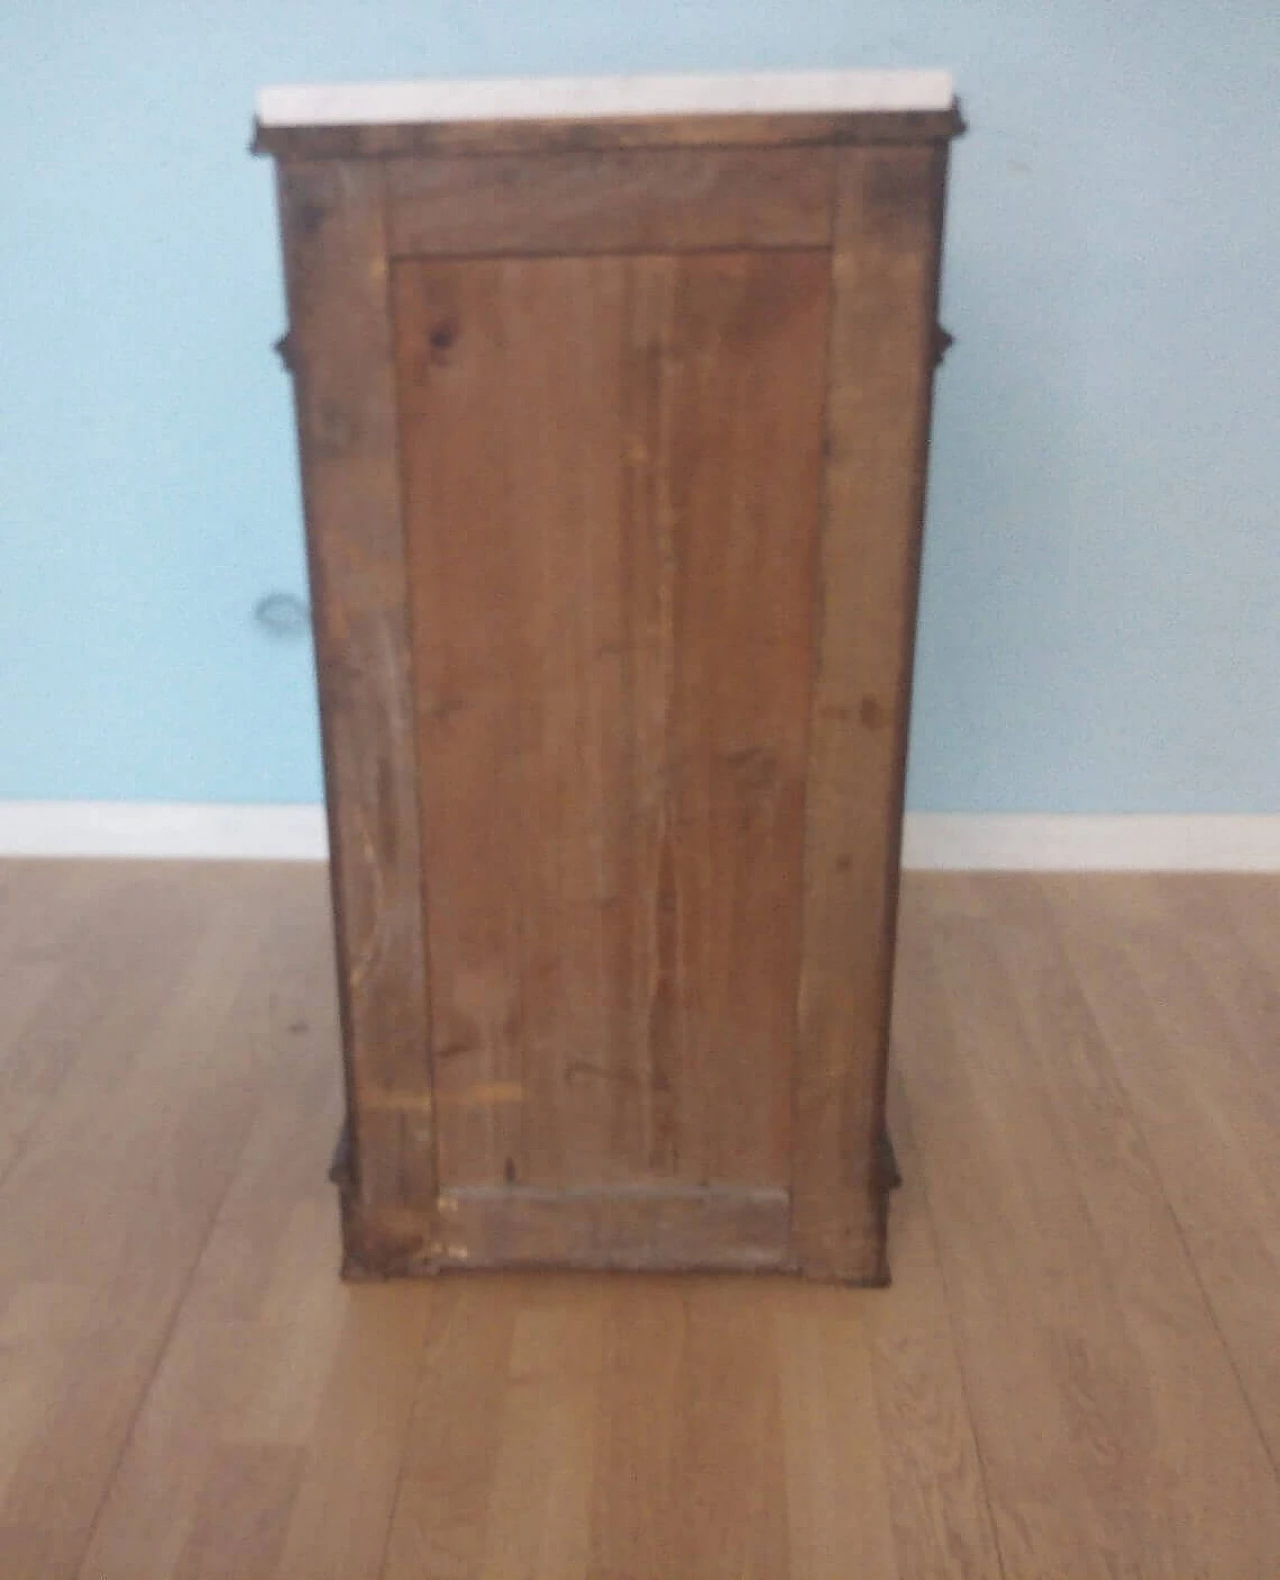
(613, 403)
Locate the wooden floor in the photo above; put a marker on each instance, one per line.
(1076, 1373)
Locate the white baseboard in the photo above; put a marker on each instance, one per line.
(932, 840)
(1075, 842)
(163, 829)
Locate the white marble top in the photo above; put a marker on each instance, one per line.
(578, 98)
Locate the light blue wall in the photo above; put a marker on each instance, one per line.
(1101, 617)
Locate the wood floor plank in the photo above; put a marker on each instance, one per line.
(1200, 1084)
(1199, 1417)
(39, 1323)
(730, 1509)
(933, 1473)
(538, 1516)
(998, 1251)
(1123, 1387)
(156, 1495)
(40, 910)
(43, 902)
(260, 1481)
(85, 963)
(342, 1514)
(258, 1331)
(441, 1512)
(1217, 944)
(833, 1460)
(115, 1190)
(635, 1491)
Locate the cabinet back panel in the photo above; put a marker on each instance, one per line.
(612, 492)
(618, 200)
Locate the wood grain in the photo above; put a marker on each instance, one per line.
(441, 1513)
(636, 1488)
(836, 1494)
(68, 965)
(107, 1204)
(289, 143)
(538, 1519)
(887, 231)
(1091, 1360)
(618, 200)
(1170, 1314)
(935, 1482)
(332, 219)
(612, 753)
(1173, 968)
(728, 1450)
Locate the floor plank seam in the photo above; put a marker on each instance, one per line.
(1205, 1295)
(162, 1351)
(966, 1392)
(1175, 1219)
(402, 1469)
(1222, 1339)
(127, 1436)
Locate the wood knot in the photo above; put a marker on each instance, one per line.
(334, 432)
(309, 216)
(753, 768)
(442, 338)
